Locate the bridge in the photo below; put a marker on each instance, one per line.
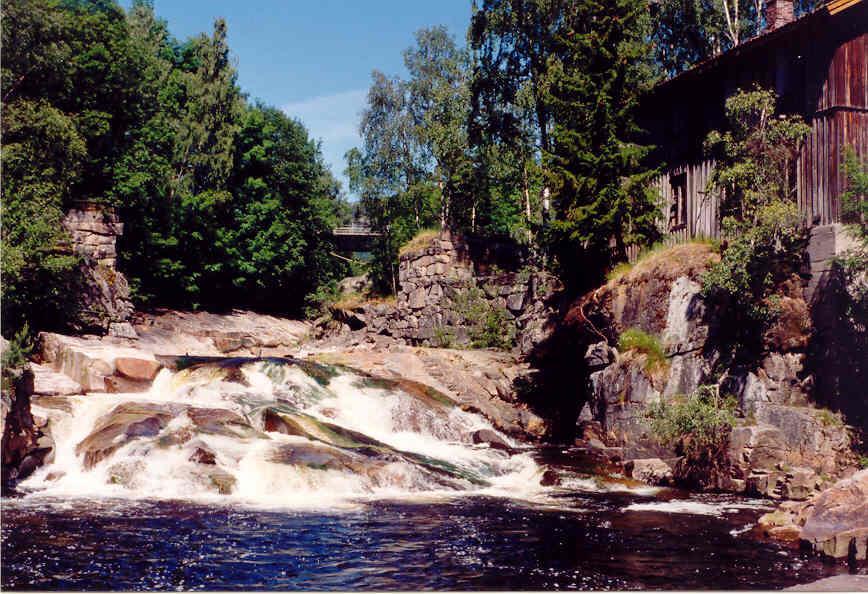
(354, 238)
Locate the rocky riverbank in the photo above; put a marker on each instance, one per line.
(568, 379)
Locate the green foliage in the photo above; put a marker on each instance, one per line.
(489, 325)
(863, 462)
(854, 202)
(853, 263)
(766, 230)
(828, 418)
(685, 32)
(225, 203)
(318, 302)
(444, 337)
(602, 188)
(635, 339)
(696, 425)
(755, 157)
(42, 160)
(18, 351)
(413, 170)
(756, 260)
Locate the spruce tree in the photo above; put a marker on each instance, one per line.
(601, 187)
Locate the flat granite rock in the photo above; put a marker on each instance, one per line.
(836, 583)
(47, 382)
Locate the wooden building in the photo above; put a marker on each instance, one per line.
(817, 64)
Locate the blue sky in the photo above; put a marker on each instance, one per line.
(313, 58)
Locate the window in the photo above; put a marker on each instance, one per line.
(678, 208)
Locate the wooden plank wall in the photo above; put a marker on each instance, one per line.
(840, 121)
(702, 206)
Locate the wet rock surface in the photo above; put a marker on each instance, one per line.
(833, 522)
(26, 441)
(479, 381)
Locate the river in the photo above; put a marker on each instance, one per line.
(277, 474)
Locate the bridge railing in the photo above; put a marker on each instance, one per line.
(354, 230)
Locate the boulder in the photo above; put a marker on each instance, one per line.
(203, 456)
(836, 583)
(837, 524)
(219, 421)
(491, 438)
(120, 385)
(653, 471)
(550, 478)
(125, 423)
(47, 382)
(416, 300)
(833, 522)
(142, 370)
(599, 355)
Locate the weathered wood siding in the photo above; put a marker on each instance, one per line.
(819, 68)
(840, 121)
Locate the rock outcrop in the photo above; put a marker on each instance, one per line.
(782, 445)
(26, 443)
(102, 293)
(833, 522)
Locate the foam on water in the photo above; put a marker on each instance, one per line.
(389, 443)
(685, 506)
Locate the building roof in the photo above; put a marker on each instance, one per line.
(830, 7)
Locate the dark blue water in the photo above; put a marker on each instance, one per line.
(466, 544)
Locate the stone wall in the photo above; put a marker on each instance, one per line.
(444, 296)
(103, 293)
(838, 308)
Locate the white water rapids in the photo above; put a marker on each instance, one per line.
(274, 433)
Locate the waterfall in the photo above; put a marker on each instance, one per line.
(276, 432)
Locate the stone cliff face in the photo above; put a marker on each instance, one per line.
(103, 295)
(26, 442)
(783, 445)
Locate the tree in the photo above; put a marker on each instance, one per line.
(438, 102)
(601, 187)
(755, 158)
(511, 119)
(754, 161)
(512, 41)
(685, 32)
(278, 246)
(65, 77)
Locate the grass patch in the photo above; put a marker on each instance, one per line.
(348, 301)
(421, 241)
(675, 250)
(637, 340)
(829, 419)
(618, 271)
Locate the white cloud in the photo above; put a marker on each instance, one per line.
(334, 119)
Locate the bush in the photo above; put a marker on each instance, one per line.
(18, 350)
(635, 339)
(317, 304)
(489, 326)
(756, 261)
(697, 426)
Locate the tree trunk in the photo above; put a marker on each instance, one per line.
(527, 213)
